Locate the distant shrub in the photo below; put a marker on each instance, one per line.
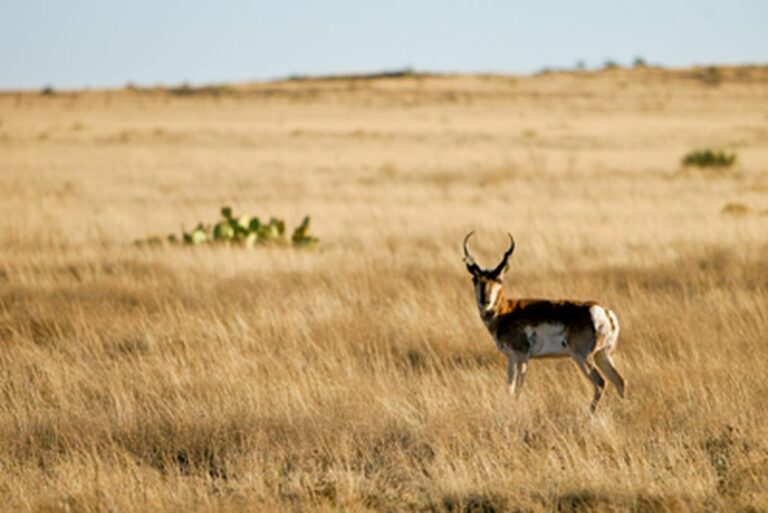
(639, 62)
(217, 90)
(710, 76)
(48, 91)
(709, 159)
(210, 90)
(406, 72)
(183, 90)
(610, 64)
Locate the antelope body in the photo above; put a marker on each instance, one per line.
(523, 329)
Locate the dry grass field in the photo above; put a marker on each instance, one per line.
(358, 376)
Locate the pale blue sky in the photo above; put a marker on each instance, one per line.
(81, 43)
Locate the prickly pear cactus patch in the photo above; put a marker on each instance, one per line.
(242, 231)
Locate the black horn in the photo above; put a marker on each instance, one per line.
(471, 264)
(500, 268)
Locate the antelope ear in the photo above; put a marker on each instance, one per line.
(499, 275)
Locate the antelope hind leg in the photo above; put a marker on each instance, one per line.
(605, 363)
(595, 378)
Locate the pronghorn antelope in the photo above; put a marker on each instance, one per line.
(537, 328)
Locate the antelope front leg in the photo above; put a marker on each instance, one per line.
(522, 368)
(511, 373)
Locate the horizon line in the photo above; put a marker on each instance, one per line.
(375, 74)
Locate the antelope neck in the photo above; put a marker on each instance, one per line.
(490, 315)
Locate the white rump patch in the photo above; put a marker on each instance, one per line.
(615, 333)
(603, 325)
(546, 339)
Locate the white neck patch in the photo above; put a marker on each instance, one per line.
(494, 296)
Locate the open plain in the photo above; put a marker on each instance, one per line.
(357, 375)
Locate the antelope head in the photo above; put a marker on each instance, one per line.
(487, 282)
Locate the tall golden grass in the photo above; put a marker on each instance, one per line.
(358, 376)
